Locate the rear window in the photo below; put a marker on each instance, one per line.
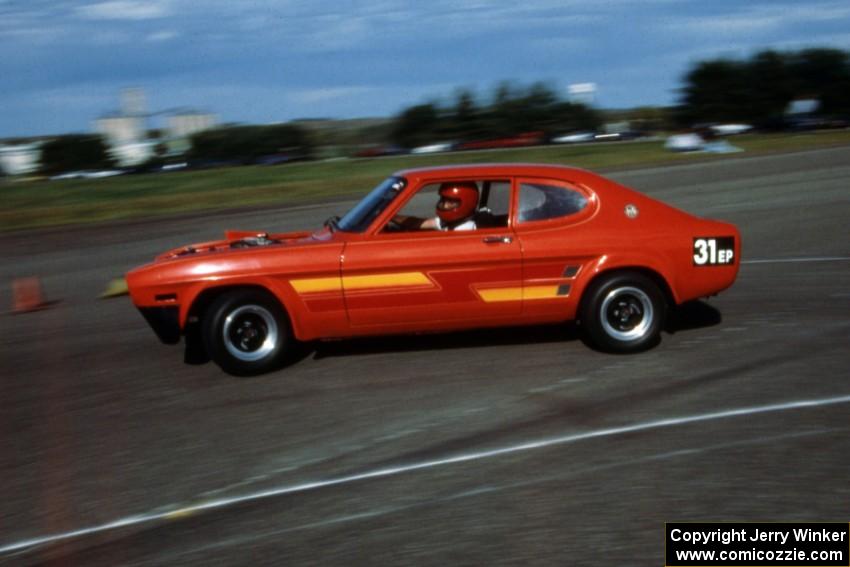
(541, 201)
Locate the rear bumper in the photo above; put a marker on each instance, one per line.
(165, 322)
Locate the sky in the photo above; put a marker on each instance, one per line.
(64, 63)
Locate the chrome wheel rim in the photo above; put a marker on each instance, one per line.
(626, 313)
(250, 333)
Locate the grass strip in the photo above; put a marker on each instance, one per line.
(41, 203)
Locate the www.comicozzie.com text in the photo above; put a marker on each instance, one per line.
(727, 536)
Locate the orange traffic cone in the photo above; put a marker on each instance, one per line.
(28, 296)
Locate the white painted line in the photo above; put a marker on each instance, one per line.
(488, 490)
(392, 471)
(797, 260)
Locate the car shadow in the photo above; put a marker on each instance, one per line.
(688, 316)
(449, 340)
(692, 315)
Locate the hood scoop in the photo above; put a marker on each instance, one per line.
(261, 239)
(236, 240)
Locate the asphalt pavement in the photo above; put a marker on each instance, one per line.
(497, 447)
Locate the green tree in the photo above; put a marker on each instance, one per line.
(716, 91)
(74, 152)
(415, 126)
(248, 143)
(512, 110)
(759, 90)
(464, 120)
(570, 117)
(772, 89)
(823, 74)
(503, 117)
(649, 118)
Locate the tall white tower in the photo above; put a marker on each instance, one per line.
(584, 93)
(133, 102)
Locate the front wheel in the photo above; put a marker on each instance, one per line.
(247, 332)
(623, 313)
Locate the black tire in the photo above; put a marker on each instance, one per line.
(623, 312)
(247, 332)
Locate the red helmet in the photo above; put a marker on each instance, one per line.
(457, 201)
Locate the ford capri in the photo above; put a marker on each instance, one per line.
(444, 249)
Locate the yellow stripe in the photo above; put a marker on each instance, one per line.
(518, 293)
(539, 292)
(501, 294)
(314, 285)
(401, 279)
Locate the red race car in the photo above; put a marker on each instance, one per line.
(443, 249)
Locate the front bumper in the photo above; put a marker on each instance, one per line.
(165, 322)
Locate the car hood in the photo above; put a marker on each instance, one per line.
(246, 239)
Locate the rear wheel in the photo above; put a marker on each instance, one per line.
(247, 332)
(623, 312)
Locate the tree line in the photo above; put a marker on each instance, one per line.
(510, 110)
(759, 90)
(227, 145)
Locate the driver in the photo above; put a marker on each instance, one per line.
(455, 209)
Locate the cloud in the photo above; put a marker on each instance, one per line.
(336, 33)
(163, 35)
(124, 10)
(313, 96)
(759, 18)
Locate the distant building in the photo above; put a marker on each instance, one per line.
(120, 130)
(20, 159)
(126, 138)
(130, 141)
(128, 155)
(803, 114)
(582, 93)
(134, 102)
(185, 124)
(802, 107)
(616, 127)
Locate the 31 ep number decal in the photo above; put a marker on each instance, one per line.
(714, 251)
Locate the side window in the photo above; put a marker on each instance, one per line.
(421, 205)
(495, 204)
(499, 198)
(489, 207)
(541, 201)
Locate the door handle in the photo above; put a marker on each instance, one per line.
(497, 239)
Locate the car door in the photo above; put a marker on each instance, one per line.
(549, 223)
(428, 279)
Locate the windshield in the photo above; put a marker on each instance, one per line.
(363, 213)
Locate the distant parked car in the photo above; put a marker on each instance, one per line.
(88, 174)
(273, 159)
(574, 138)
(103, 173)
(685, 142)
(433, 148)
(730, 129)
(518, 141)
(379, 151)
(623, 136)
